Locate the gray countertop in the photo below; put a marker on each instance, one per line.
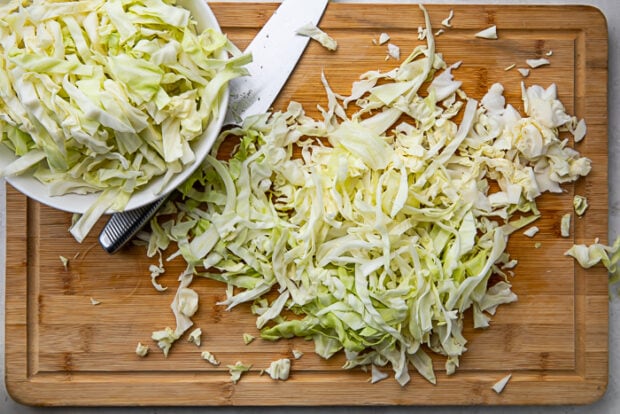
(610, 403)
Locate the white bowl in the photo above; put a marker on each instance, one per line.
(78, 203)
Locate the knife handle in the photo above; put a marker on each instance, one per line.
(121, 227)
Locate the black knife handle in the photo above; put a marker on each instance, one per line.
(121, 227)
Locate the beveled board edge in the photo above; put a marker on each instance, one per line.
(585, 385)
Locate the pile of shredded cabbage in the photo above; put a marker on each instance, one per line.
(373, 233)
(104, 96)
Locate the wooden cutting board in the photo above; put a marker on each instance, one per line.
(63, 350)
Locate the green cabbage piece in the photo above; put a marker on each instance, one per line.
(237, 370)
(105, 96)
(319, 35)
(165, 338)
(580, 204)
(372, 233)
(595, 253)
(209, 357)
(279, 369)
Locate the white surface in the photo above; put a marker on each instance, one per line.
(610, 403)
(80, 203)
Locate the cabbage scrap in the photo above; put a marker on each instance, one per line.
(535, 63)
(393, 51)
(383, 38)
(488, 33)
(595, 253)
(565, 225)
(237, 370)
(580, 204)
(377, 375)
(210, 358)
(156, 271)
(313, 32)
(64, 261)
(447, 21)
(195, 336)
(105, 96)
(165, 338)
(531, 232)
(142, 350)
(385, 230)
(248, 338)
(279, 369)
(499, 386)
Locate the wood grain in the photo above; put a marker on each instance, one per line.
(62, 350)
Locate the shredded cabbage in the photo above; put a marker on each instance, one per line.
(142, 350)
(237, 370)
(210, 358)
(393, 51)
(535, 63)
(565, 225)
(447, 21)
(319, 35)
(375, 231)
(488, 33)
(531, 232)
(195, 336)
(580, 204)
(377, 375)
(104, 96)
(64, 261)
(595, 253)
(279, 369)
(248, 338)
(499, 386)
(383, 38)
(165, 338)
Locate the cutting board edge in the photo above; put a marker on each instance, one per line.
(21, 388)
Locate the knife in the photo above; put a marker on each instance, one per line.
(275, 52)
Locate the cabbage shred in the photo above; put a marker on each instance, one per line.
(378, 230)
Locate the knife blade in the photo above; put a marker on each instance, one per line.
(275, 50)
